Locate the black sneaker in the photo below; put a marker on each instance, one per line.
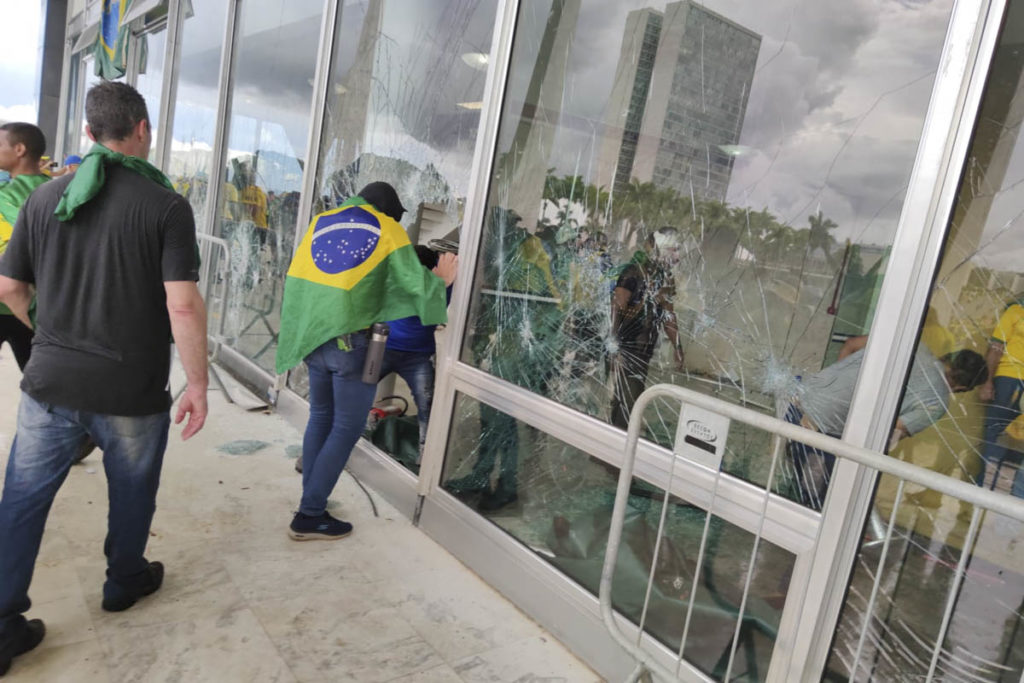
(322, 528)
(118, 597)
(24, 638)
(468, 485)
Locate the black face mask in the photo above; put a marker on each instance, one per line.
(384, 198)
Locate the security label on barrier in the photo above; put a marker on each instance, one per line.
(701, 436)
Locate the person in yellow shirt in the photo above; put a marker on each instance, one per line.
(1003, 391)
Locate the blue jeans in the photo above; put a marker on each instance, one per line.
(417, 369)
(47, 440)
(1002, 410)
(339, 402)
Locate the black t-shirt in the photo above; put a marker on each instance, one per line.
(650, 286)
(102, 328)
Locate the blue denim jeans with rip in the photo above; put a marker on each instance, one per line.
(417, 369)
(45, 446)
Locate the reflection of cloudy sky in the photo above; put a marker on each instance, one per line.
(835, 110)
(419, 79)
(19, 55)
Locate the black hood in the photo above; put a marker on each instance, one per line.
(384, 198)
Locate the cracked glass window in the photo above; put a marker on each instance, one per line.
(711, 591)
(973, 332)
(190, 162)
(275, 60)
(702, 194)
(403, 106)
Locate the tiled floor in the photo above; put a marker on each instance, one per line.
(242, 602)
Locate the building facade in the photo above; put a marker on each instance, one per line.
(782, 177)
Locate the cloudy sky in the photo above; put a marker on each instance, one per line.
(835, 110)
(19, 59)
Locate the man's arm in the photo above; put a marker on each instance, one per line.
(188, 325)
(853, 345)
(18, 297)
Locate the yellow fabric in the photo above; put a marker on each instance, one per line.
(6, 229)
(392, 237)
(1010, 332)
(254, 205)
(230, 202)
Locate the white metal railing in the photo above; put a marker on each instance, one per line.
(650, 662)
(215, 284)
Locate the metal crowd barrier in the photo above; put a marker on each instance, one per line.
(647, 664)
(214, 284)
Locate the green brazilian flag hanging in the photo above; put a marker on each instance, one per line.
(112, 44)
(354, 267)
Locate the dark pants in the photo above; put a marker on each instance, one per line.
(1000, 413)
(812, 467)
(45, 446)
(17, 336)
(417, 369)
(629, 370)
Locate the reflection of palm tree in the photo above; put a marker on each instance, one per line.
(819, 236)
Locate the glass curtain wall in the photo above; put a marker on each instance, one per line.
(149, 49)
(403, 106)
(272, 92)
(974, 324)
(190, 163)
(701, 194)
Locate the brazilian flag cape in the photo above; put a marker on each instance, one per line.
(354, 267)
(12, 196)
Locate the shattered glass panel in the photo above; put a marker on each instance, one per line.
(273, 72)
(190, 163)
(698, 193)
(557, 500)
(403, 106)
(973, 332)
(897, 638)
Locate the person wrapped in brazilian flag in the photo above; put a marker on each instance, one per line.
(354, 268)
(21, 147)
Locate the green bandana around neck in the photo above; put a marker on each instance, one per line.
(91, 175)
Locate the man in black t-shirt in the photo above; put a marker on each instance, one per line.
(110, 251)
(641, 304)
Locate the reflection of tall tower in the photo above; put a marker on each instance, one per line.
(522, 172)
(692, 117)
(348, 112)
(626, 105)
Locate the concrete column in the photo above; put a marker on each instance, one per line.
(55, 23)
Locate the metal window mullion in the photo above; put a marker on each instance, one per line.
(131, 72)
(62, 103)
(78, 117)
(318, 110)
(441, 414)
(328, 30)
(943, 146)
(169, 85)
(220, 139)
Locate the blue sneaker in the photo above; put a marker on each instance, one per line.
(320, 528)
